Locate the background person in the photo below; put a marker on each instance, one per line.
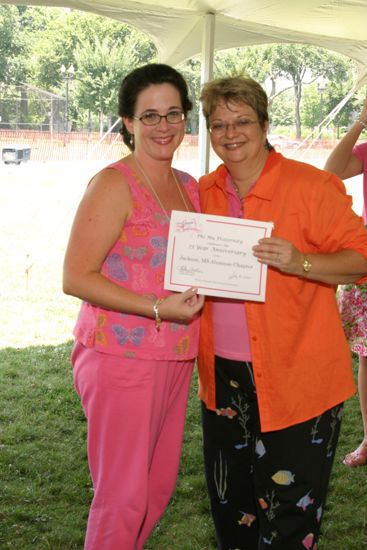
(274, 375)
(135, 342)
(348, 160)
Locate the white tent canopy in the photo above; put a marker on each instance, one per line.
(189, 27)
(338, 25)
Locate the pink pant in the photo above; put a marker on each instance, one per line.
(135, 411)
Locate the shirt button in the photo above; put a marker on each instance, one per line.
(254, 338)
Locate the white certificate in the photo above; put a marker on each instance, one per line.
(214, 254)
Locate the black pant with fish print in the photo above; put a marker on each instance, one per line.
(267, 490)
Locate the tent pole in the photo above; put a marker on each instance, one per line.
(207, 56)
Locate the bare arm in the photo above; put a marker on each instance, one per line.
(98, 223)
(342, 267)
(341, 161)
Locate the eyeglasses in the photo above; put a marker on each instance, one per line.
(153, 119)
(242, 124)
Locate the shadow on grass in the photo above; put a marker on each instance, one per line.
(45, 486)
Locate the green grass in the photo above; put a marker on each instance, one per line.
(44, 480)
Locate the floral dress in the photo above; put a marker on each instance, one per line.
(353, 310)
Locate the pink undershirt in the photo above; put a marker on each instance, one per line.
(231, 339)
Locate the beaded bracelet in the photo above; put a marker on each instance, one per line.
(363, 124)
(158, 320)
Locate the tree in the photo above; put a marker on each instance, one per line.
(101, 50)
(12, 61)
(336, 91)
(252, 61)
(101, 65)
(12, 44)
(190, 70)
(275, 64)
(300, 62)
(36, 41)
(281, 111)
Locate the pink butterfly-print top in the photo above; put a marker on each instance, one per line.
(137, 262)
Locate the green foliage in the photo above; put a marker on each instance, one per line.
(53, 48)
(101, 65)
(281, 110)
(99, 70)
(254, 61)
(311, 107)
(191, 72)
(36, 41)
(297, 62)
(12, 45)
(298, 65)
(333, 94)
(37, 19)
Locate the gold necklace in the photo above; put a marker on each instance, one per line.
(147, 179)
(237, 191)
(240, 198)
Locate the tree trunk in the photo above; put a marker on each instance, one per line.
(297, 103)
(23, 104)
(101, 119)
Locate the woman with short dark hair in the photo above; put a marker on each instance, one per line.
(135, 343)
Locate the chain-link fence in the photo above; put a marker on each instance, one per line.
(25, 107)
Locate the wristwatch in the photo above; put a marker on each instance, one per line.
(306, 264)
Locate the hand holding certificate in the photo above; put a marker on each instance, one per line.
(214, 254)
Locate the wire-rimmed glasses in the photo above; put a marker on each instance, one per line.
(241, 124)
(153, 119)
